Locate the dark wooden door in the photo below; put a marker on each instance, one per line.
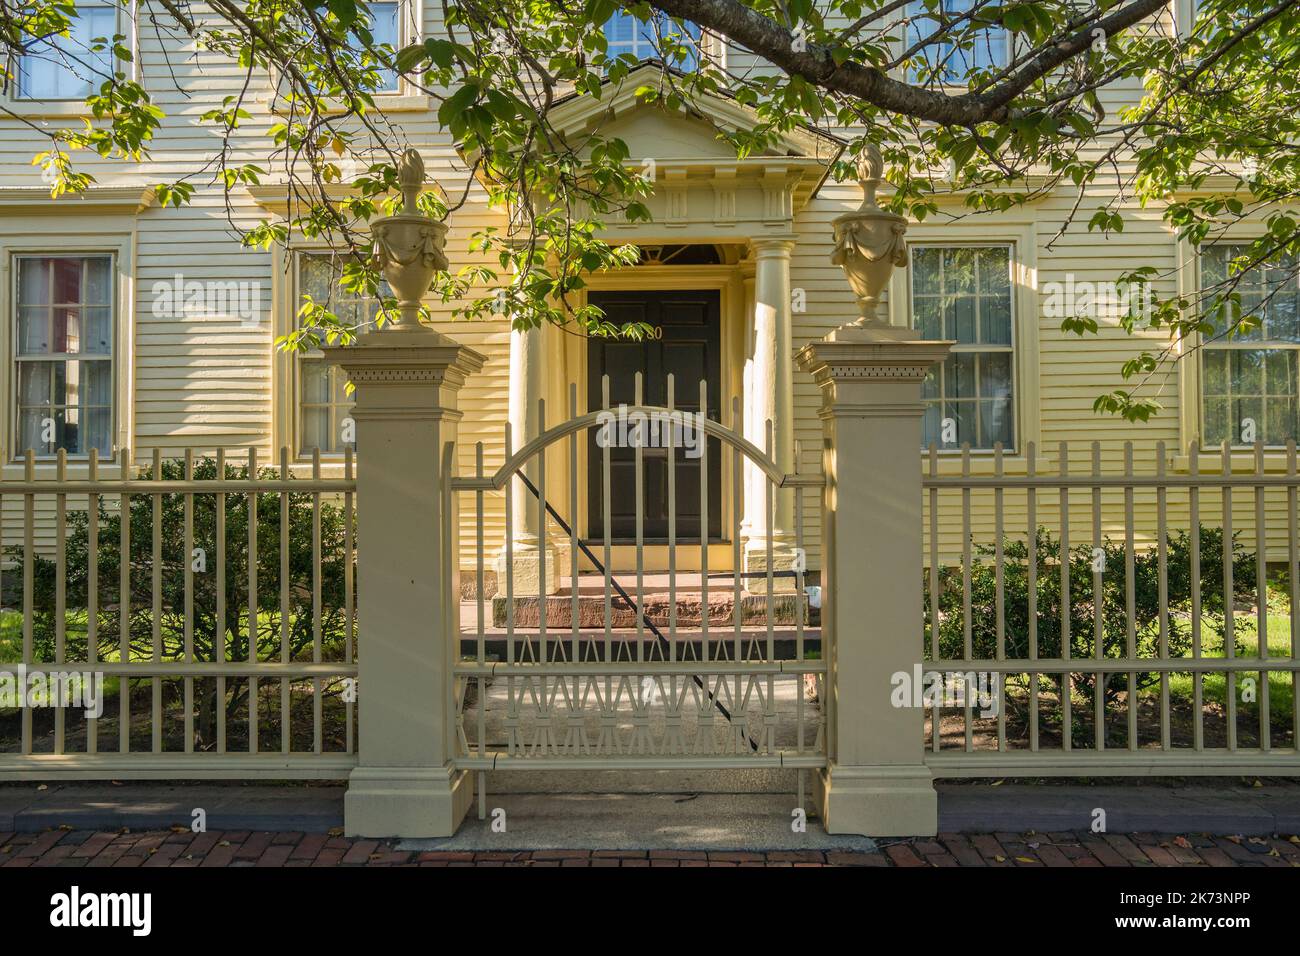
(687, 345)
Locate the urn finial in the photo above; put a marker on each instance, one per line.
(869, 244)
(408, 246)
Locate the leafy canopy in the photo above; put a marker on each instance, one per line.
(1207, 129)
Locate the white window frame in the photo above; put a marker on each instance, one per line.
(1009, 349)
(709, 47)
(287, 430)
(62, 237)
(125, 24)
(407, 97)
(1205, 347)
(905, 43)
(1016, 229)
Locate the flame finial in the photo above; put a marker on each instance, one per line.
(871, 169)
(410, 176)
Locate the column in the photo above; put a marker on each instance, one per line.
(527, 374)
(772, 399)
(877, 783)
(408, 590)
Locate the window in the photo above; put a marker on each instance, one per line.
(964, 293)
(65, 67)
(1249, 380)
(322, 399)
(386, 30)
(979, 49)
(64, 353)
(625, 34)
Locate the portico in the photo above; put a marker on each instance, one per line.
(715, 276)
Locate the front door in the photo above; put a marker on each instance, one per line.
(686, 344)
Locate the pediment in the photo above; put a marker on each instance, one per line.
(690, 134)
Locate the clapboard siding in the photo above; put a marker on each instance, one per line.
(202, 382)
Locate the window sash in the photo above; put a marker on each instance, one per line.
(977, 384)
(45, 76)
(78, 392)
(624, 33)
(991, 48)
(335, 409)
(1231, 391)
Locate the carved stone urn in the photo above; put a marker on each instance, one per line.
(408, 246)
(869, 244)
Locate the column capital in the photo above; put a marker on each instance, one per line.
(767, 247)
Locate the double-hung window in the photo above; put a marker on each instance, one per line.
(960, 49)
(324, 407)
(70, 67)
(1249, 379)
(645, 39)
(63, 353)
(964, 294)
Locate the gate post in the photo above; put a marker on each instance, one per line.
(877, 783)
(406, 382)
(870, 375)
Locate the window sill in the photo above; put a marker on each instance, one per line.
(37, 109)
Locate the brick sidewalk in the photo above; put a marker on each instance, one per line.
(153, 848)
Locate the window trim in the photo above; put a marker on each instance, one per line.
(286, 378)
(406, 98)
(902, 44)
(711, 47)
(1017, 231)
(125, 24)
(82, 238)
(1194, 389)
(957, 348)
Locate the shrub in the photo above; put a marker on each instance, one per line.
(1146, 605)
(208, 631)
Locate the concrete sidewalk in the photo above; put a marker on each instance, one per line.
(759, 821)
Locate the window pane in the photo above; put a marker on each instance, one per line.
(318, 277)
(926, 263)
(61, 68)
(959, 270)
(65, 311)
(99, 281)
(315, 382)
(928, 317)
(995, 423)
(30, 430)
(33, 330)
(626, 35)
(34, 383)
(995, 319)
(964, 293)
(323, 406)
(1250, 395)
(385, 29)
(97, 334)
(34, 281)
(982, 48)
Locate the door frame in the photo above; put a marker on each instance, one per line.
(727, 281)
